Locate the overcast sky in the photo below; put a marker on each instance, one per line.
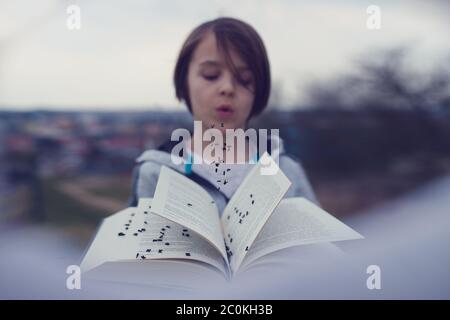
(125, 51)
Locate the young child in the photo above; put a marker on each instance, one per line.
(223, 76)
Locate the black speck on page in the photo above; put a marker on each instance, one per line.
(188, 254)
(121, 234)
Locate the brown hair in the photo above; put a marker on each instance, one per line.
(234, 33)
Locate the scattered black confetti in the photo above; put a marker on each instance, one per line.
(135, 234)
(160, 250)
(167, 243)
(121, 234)
(142, 257)
(246, 248)
(137, 255)
(185, 230)
(231, 240)
(168, 227)
(253, 201)
(228, 217)
(146, 212)
(148, 250)
(188, 254)
(133, 214)
(240, 221)
(189, 204)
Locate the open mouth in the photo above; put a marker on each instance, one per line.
(224, 111)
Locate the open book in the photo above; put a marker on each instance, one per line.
(181, 223)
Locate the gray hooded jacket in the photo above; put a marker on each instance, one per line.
(146, 173)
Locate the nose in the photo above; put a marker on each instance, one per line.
(227, 85)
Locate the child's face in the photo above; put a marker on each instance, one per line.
(216, 96)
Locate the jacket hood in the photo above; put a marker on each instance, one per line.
(162, 155)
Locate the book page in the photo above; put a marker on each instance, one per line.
(298, 221)
(112, 241)
(249, 208)
(183, 201)
(164, 239)
(137, 234)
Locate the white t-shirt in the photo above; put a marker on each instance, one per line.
(226, 177)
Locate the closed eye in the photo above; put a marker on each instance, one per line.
(210, 77)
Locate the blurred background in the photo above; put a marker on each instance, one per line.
(366, 111)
